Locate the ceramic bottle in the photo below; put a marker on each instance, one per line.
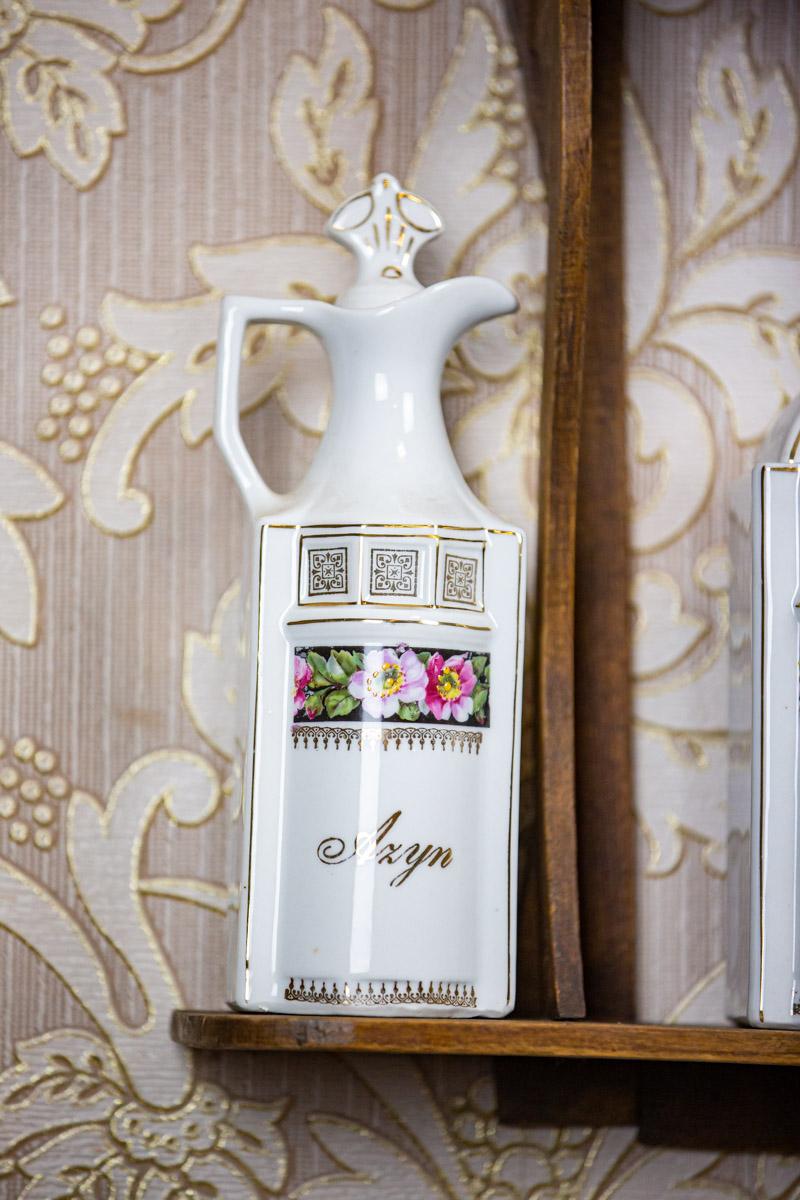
(384, 635)
(763, 875)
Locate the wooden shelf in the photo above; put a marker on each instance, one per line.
(476, 1036)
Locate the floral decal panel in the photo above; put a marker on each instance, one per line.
(391, 683)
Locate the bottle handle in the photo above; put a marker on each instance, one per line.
(236, 313)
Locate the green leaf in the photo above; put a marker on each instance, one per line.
(339, 703)
(479, 698)
(333, 698)
(423, 656)
(320, 668)
(334, 670)
(314, 704)
(347, 661)
(409, 712)
(479, 664)
(486, 674)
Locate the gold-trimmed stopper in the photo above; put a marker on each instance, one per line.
(385, 227)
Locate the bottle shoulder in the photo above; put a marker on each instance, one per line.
(466, 512)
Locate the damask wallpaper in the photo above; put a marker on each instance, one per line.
(158, 153)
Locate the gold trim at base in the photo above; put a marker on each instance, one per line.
(378, 994)
(368, 737)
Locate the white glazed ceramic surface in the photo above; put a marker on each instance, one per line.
(763, 967)
(380, 743)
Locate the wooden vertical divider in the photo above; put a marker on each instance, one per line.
(605, 817)
(604, 879)
(554, 41)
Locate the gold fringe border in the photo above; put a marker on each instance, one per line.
(372, 736)
(452, 995)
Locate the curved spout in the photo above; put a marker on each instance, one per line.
(459, 304)
(386, 365)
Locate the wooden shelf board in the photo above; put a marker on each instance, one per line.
(508, 1037)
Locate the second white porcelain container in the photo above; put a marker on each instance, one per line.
(763, 881)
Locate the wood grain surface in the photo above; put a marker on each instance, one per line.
(554, 38)
(605, 813)
(538, 1039)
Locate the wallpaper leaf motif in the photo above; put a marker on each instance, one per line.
(27, 493)
(673, 437)
(324, 117)
(305, 266)
(108, 886)
(374, 1164)
(211, 683)
(122, 20)
(722, 327)
(674, 8)
(495, 441)
(497, 349)
(495, 444)
(57, 95)
(205, 1148)
(748, 301)
(746, 132)
(475, 1157)
(423, 1123)
(459, 163)
(288, 367)
(122, 1100)
(405, 5)
(70, 1079)
(681, 739)
(57, 99)
(181, 337)
(646, 210)
(657, 597)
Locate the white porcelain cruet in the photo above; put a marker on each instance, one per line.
(384, 633)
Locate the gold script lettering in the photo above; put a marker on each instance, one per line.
(369, 845)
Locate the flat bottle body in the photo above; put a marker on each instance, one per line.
(383, 648)
(380, 770)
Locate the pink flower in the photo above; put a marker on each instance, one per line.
(449, 687)
(388, 681)
(302, 676)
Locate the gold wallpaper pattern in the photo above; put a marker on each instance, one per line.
(712, 275)
(158, 154)
(58, 58)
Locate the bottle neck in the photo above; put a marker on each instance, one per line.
(386, 449)
(386, 440)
